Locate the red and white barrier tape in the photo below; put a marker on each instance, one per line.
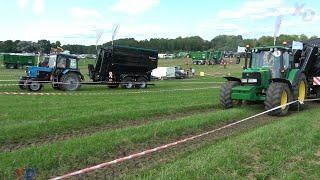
(93, 94)
(133, 156)
(89, 82)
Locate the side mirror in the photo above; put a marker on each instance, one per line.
(238, 60)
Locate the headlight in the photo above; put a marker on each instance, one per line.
(252, 80)
(244, 80)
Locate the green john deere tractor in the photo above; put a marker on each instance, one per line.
(270, 75)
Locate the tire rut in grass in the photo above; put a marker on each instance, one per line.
(135, 166)
(89, 131)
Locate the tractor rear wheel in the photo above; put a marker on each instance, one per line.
(299, 92)
(141, 83)
(70, 82)
(34, 86)
(127, 83)
(278, 94)
(226, 100)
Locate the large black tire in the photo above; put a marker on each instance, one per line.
(297, 87)
(141, 83)
(318, 94)
(127, 83)
(278, 94)
(225, 95)
(23, 84)
(70, 82)
(34, 86)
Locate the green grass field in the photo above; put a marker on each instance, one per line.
(66, 132)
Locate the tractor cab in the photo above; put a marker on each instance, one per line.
(275, 59)
(53, 64)
(60, 69)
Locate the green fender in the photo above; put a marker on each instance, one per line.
(293, 75)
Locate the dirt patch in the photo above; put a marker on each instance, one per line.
(92, 130)
(169, 155)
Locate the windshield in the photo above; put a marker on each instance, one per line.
(52, 61)
(268, 59)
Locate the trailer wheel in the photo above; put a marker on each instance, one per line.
(19, 66)
(22, 84)
(113, 85)
(278, 94)
(127, 83)
(299, 92)
(34, 86)
(225, 95)
(141, 83)
(70, 82)
(10, 66)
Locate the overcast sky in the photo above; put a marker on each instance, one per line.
(77, 21)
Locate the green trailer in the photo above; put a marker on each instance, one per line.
(216, 57)
(18, 61)
(182, 55)
(1, 57)
(200, 57)
(207, 57)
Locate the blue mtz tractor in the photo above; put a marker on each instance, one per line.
(60, 70)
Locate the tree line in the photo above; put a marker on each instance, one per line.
(195, 43)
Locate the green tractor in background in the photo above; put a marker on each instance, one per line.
(275, 75)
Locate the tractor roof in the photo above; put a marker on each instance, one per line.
(67, 55)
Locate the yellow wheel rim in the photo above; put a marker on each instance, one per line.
(302, 92)
(284, 100)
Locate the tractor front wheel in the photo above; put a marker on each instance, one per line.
(23, 84)
(226, 100)
(278, 94)
(34, 86)
(70, 82)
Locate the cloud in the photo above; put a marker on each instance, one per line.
(22, 3)
(38, 6)
(67, 32)
(134, 6)
(258, 10)
(83, 13)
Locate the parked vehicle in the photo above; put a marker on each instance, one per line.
(18, 61)
(163, 73)
(207, 57)
(180, 73)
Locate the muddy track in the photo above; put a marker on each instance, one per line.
(89, 131)
(134, 166)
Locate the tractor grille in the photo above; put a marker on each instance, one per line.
(255, 75)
